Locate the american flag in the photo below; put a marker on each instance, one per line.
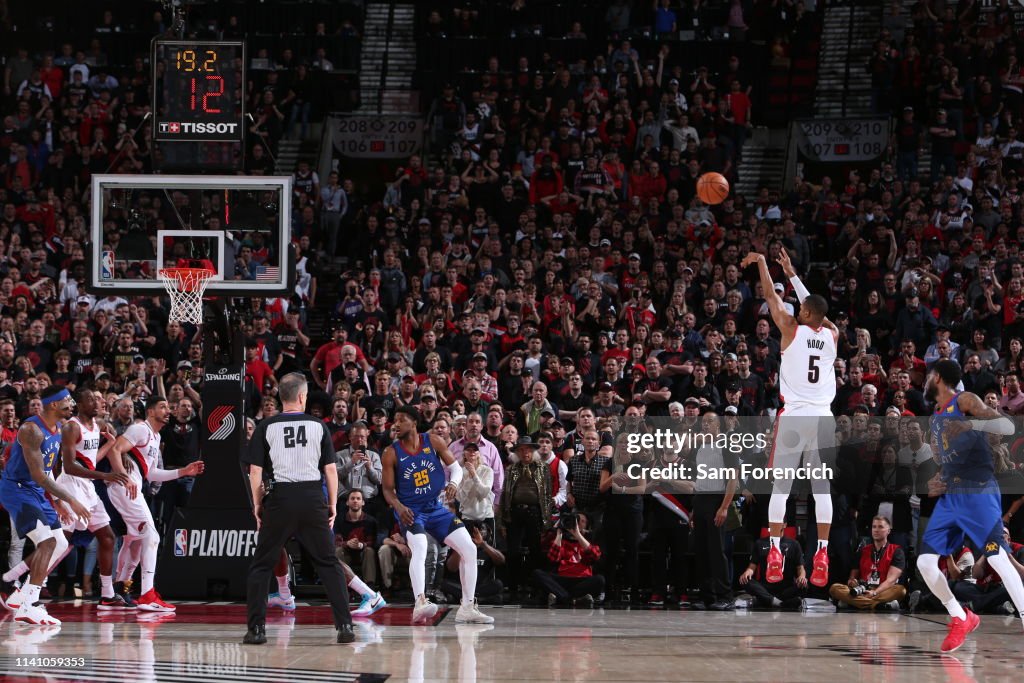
(268, 274)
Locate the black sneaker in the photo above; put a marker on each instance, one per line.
(722, 606)
(115, 603)
(913, 601)
(128, 600)
(586, 602)
(345, 634)
(257, 635)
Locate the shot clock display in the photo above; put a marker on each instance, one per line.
(199, 93)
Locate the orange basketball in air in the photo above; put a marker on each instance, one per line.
(712, 188)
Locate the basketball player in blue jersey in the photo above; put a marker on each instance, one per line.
(413, 482)
(970, 502)
(23, 489)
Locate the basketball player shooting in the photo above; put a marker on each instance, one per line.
(805, 426)
(970, 497)
(415, 465)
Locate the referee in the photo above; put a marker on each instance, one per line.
(294, 448)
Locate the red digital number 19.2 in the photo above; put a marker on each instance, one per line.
(207, 96)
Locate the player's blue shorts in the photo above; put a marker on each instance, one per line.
(976, 513)
(439, 522)
(27, 505)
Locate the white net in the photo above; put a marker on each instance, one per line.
(185, 286)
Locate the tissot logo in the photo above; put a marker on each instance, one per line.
(215, 542)
(174, 127)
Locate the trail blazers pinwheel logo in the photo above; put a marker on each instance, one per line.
(221, 422)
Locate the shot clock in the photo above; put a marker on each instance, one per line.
(198, 96)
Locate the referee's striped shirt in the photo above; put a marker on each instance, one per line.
(291, 447)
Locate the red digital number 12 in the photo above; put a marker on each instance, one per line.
(207, 95)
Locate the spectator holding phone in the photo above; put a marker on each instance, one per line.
(359, 469)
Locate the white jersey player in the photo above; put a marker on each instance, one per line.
(137, 451)
(805, 426)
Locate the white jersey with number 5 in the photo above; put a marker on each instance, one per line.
(807, 374)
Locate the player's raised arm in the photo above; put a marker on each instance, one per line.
(783, 320)
(31, 440)
(798, 286)
(454, 468)
(984, 418)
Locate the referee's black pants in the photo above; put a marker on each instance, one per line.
(709, 546)
(299, 510)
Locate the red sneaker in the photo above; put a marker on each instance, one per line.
(152, 602)
(775, 564)
(958, 630)
(819, 575)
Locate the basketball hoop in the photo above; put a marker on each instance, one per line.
(185, 286)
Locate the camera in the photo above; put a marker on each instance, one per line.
(858, 591)
(568, 520)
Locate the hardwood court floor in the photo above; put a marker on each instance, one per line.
(202, 643)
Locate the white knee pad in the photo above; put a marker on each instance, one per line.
(62, 544)
(43, 533)
(461, 542)
(418, 546)
(777, 506)
(928, 567)
(823, 508)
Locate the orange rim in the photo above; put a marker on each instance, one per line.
(187, 279)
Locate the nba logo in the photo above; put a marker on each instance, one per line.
(180, 542)
(107, 266)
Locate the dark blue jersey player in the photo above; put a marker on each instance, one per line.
(418, 471)
(24, 488)
(969, 503)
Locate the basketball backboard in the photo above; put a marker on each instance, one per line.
(236, 225)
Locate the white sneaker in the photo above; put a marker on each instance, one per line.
(12, 601)
(469, 614)
(424, 610)
(369, 605)
(35, 614)
(276, 600)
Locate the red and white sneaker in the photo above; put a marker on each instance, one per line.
(775, 565)
(150, 601)
(12, 601)
(958, 631)
(35, 614)
(819, 575)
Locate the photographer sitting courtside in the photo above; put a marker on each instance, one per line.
(574, 556)
(874, 581)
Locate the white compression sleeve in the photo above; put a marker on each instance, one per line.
(798, 287)
(1000, 425)
(455, 473)
(157, 474)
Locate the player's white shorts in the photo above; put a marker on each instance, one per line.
(85, 493)
(138, 519)
(803, 433)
